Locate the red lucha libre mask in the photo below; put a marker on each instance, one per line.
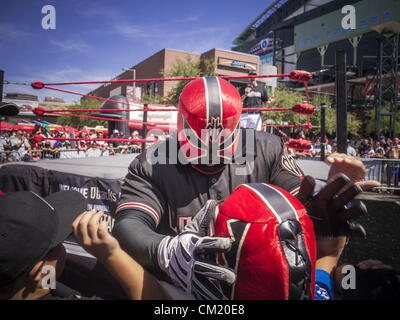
(209, 120)
(273, 250)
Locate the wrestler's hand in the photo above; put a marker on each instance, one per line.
(353, 168)
(92, 234)
(189, 258)
(328, 209)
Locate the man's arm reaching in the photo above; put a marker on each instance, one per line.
(135, 231)
(93, 235)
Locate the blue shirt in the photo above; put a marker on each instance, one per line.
(323, 285)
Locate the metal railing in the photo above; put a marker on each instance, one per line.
(65, 154)
(386, 171)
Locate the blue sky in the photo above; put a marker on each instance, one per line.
(94, 39)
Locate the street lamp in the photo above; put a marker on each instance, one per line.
(134, 78)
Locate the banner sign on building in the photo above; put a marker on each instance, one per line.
(233, 63)
(265, 45)
(267, 59)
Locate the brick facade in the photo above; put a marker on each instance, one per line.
(227, 62)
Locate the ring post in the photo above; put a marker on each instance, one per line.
(144, 126)
(341, 101)
(322, 154)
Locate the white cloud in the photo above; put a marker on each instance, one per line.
(187, 19)
(71, 45)
(131, 31)
(11, 32)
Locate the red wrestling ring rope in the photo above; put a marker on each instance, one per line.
(296, 75)
(108, 119)
(300, 108)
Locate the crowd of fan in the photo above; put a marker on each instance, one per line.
(384, 148)
(21, 146)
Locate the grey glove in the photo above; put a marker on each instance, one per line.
(189, 258)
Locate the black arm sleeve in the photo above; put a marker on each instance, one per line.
(135, 232)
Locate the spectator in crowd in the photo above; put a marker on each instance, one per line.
(21, 148)
(394, 152)
(363, 148)
(328, 147)
(101, 144)
(134, 147)
(48, 152)
(370, 152)
(122, 146)
(115, 144)
(379, 150)
(82, 144)
(316, 147)
(92, 134)
(333, 145)
(350, 150)
(382, 142)
(5, 147)
(92, 147)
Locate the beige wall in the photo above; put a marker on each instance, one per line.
(171, 57)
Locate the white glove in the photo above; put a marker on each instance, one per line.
(189, 258)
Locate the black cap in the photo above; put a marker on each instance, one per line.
(30, 226)
(8, 109)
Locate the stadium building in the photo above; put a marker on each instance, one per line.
(300, 34)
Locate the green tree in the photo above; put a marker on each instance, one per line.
(187, 68)
(79, 122)
(370, 118)
(153, 99)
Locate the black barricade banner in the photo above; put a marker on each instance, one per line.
(101, 194)
(374, 169)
